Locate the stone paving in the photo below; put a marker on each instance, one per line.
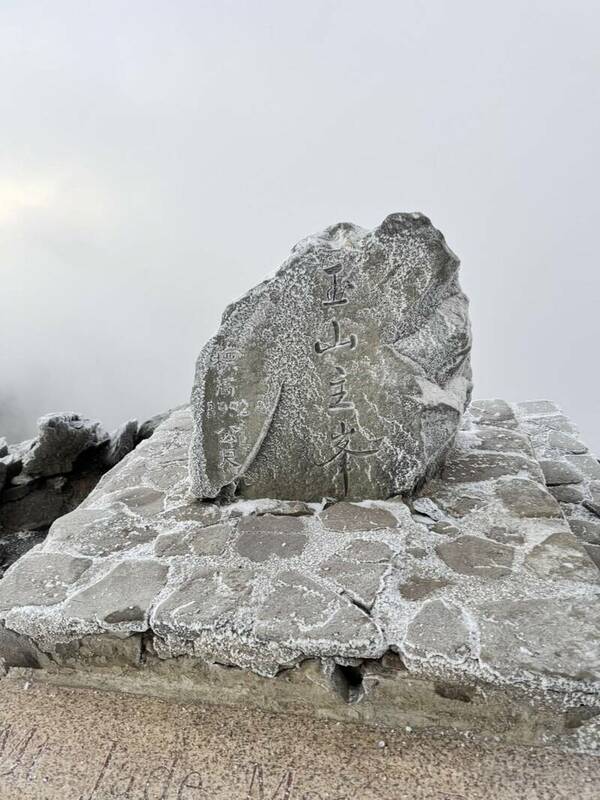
(571, 472)
(477, 582)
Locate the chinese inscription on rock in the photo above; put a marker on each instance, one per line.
(345, 430)
(344, 375)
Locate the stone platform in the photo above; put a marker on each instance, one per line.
(473, 606)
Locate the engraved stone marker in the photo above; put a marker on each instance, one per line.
(344, 375)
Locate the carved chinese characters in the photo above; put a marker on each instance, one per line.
(343, 376)
(344, 431)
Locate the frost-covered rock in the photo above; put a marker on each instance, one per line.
(31, 500)
(344, 375)
(477, 587)
(147, 428)
(61, 438)
(122, 441)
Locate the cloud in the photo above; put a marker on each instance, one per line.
(156, 166)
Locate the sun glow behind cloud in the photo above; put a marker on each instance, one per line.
(20, 197)
(75, 197)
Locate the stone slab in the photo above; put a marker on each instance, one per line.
(478, 586)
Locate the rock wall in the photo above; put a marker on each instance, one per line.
(571, 471)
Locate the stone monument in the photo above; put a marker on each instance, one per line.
(343, 376)
(356, 544)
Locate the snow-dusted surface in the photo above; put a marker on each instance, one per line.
(479, 579)
(344, 375)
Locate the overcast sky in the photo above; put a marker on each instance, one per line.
(157, 159)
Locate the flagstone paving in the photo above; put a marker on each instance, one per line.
(485, 582)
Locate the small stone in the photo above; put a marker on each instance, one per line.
(124, 595)
(586, 529)
(439, 629)
(525, 498)
(283, 508)
(367, 551)
(592, 502)
(593, 551)
(419, 587)
(267, 524)
(359, 569)
(445, 529)
(344, 516)
(297, 603)
(205, 541)
(561, 556)
(566, 493)
(420, 519)
(360, 581)
(426, 506)
(535, 408)
(40, 579)
(565, 443)
(492, 412)
(479, 466)
(192, 512)
(559, 472)
(557, 422)
(557, 637)
(587, 465)
(122, 441)
(298, 609)
(457, 501)
(61, 438)
(471, 555)
(265, 537)
(500, 440)
(206, 600)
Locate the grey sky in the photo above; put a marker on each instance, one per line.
(159, 158)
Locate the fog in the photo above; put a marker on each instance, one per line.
(157, 159)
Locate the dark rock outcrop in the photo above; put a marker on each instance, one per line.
(44, 478)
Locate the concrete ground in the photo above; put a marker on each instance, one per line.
(79, 744)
